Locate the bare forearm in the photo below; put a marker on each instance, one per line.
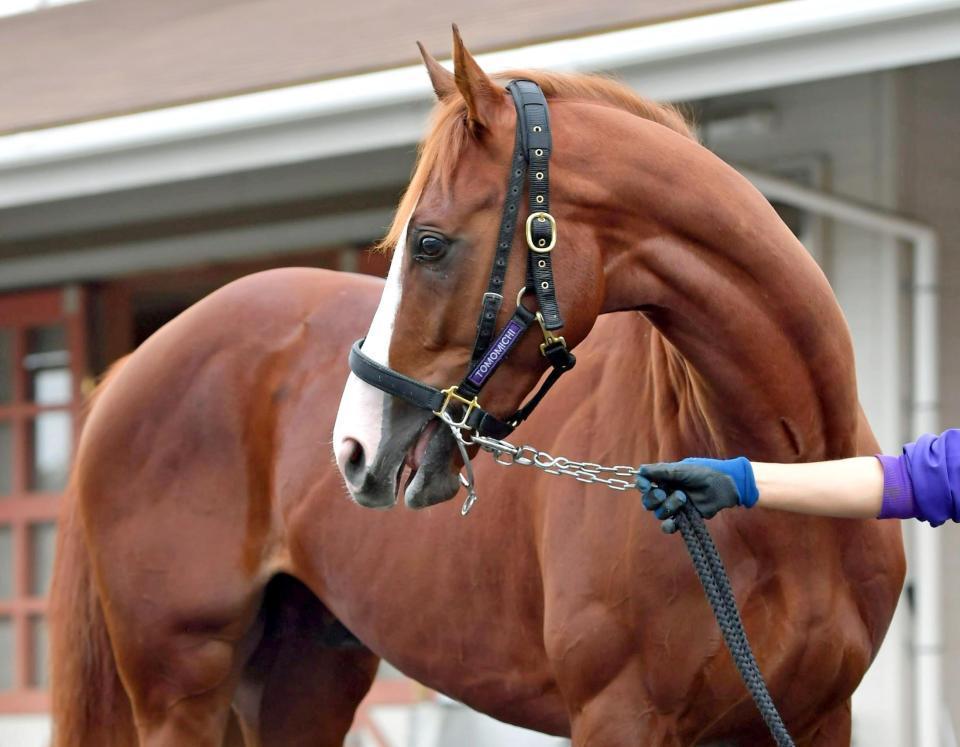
(850, 488)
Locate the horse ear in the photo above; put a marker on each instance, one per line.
(441, 78)
(478, 90)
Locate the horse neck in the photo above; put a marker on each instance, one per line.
(754, 354)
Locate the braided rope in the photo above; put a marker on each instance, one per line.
(716, 585)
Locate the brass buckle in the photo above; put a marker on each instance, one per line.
(548, 337)
(453, 397)
(541, 216)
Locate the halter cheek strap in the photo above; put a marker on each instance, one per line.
(531, 157)
(533, 123)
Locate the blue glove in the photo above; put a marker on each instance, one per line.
(709, 484)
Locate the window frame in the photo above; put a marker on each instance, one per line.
(22, 508)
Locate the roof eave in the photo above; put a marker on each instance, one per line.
(746, 49)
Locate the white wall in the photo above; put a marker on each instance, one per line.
(24, 731)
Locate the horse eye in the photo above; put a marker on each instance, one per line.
(430, 247)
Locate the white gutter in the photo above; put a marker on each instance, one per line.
(750, 48)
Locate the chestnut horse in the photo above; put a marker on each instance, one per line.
(739, 348)
(210, 566)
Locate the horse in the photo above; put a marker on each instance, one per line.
(126, 629)
(739, 348)
(215, 585)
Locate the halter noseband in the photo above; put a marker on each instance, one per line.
(531, 156)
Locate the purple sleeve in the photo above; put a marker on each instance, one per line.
(923, 483)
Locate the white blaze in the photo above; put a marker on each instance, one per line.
(361, 406)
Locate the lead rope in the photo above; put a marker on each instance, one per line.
(716, 585)
(706, 559)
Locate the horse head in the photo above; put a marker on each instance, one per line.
(618, 208)
(445, 241)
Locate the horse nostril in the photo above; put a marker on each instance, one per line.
(356, 452)
(355, 463)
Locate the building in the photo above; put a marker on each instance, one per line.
(151, 151)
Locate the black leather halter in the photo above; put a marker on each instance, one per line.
(531, 157)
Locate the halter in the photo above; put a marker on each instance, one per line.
(531, 156)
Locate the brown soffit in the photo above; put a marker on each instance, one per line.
(106, 57)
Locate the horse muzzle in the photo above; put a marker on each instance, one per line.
(414, 453)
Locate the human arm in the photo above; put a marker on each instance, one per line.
(848, 488)
(844, 488)
(923, 483)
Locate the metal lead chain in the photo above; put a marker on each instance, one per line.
(620, 477)
(467, 481)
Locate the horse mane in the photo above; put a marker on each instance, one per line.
(440, 150)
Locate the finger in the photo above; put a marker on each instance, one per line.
(668, 526)
(675, 501)
(671, 506)
(643, 484)
(653, 499)
(661, 471)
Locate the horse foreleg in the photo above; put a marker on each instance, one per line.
(615, 717)
(607, 722)
(833, 729)
(303, 684)
(182, 618)
(311, 697)
(170, 711)
(181, 684)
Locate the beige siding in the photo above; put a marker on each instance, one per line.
(106, 57)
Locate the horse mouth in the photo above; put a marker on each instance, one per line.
(410, 465)
(416, 458)
(430, 475)
(417, 451)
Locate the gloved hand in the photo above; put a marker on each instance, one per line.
(709, 484)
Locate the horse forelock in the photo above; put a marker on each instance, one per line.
(440, 150)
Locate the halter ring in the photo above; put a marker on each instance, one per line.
(521, 294)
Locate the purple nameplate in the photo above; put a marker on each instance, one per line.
(496, 352)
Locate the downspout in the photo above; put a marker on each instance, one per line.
(927, 623)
